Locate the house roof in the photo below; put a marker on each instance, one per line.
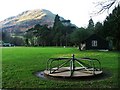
(94, 36)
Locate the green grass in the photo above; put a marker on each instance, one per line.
(20, 63)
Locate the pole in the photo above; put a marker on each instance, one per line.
(72, 65)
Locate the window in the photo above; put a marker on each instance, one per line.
(94, 43)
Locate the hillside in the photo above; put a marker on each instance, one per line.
(28, 19)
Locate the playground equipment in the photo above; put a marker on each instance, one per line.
(72, 67)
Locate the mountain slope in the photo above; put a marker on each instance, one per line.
(27, 20)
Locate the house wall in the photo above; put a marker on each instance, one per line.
(101, 43)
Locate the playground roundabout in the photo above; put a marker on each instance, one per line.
(71, 68)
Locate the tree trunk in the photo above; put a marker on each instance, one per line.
(118, 45)
(80, 47)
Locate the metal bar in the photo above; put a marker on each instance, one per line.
(48, 64)
(72, 65)
(61, 66)
(93, 68)
(64, 63)
(82, 65)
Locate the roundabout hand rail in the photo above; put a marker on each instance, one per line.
(72, 64)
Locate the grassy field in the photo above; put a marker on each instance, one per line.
(20, 63)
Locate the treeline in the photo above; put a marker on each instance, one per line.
(61, 34)
(67, 35)
(64, 34)
(58, 35)
(111, 28)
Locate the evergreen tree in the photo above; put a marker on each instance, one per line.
(91, 24)
(99, 29)
(29, 37)
(56, 22)
(112, 27)
(57, 30)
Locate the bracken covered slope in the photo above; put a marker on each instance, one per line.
(28, 19)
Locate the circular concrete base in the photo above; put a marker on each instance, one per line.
(65, 72)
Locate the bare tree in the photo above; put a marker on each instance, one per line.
(106, 5)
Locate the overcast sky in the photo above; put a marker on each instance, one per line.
(78, 11)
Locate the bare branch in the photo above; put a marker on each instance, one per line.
(105, 6)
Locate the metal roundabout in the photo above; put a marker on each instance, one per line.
(72, 67)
